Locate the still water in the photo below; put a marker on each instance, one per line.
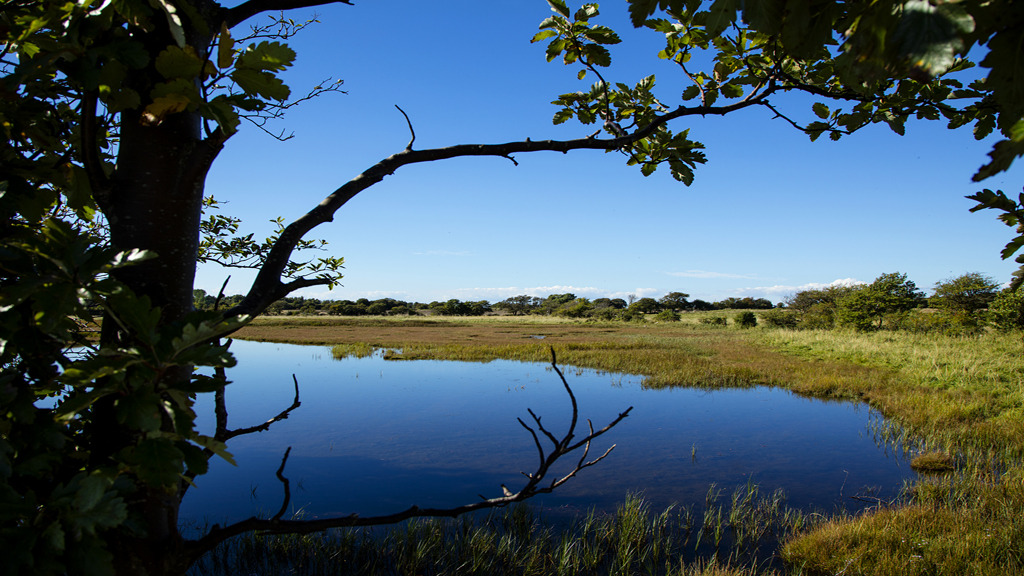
(375, 436)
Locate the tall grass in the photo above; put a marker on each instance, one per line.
(731, 538)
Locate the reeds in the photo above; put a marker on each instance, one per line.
(515, 541)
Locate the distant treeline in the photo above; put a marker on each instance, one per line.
(566, 305)
(965, 304)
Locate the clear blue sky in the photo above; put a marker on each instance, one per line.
(769, 214)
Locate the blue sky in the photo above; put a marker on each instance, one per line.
(769, 214)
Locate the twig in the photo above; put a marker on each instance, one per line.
(287, 488)
(412, 132)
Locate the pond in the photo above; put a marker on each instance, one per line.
(375, 436)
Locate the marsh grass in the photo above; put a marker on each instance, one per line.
(515, 541)
(932, 462)
(963, 396)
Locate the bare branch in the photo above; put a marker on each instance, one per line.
(287, 487)
(244, 11)
(412, 133)
(283, 415)
(533, 487)
(268, 286)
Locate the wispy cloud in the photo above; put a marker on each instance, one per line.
(443, 253)
(779, 291)
(706, 274)
(501, 293)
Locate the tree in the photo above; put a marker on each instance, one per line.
(115, 112)
(518, 305)
(965, 296)
(645, 306)
(817, 308)
(674, 301)
(866, 307)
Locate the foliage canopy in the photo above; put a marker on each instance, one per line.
(114, 113)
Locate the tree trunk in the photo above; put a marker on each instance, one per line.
(155, 205)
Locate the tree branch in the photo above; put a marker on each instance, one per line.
(533, 487)
(412, 133)
(244, 11)
(267, 287)
(98, 180)
(224, 435)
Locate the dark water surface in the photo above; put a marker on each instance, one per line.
(375, 436)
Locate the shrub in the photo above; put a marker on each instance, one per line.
(820, 316)
(1007, 310)
(745, 319)
(713, 320)
(780, 318)
(667, 316)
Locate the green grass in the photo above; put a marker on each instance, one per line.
(729, 538)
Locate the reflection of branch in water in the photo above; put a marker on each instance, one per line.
(223, 434)
(537, 482)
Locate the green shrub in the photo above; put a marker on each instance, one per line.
(820, 316)
(713, 320)
(667, 316)
(1007, 310)
(746, 319)
(779, 318)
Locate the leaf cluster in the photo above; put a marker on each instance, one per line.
(58, 391)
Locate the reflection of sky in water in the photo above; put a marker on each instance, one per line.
(375, 436)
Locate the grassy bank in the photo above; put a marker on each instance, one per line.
(963, 397)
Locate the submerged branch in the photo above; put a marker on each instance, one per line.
(561, 447)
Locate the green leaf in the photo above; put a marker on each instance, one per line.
(1003, 153)
(929, 36)
(602, 35)
(559, 7)
(266, 56)
(173, 20)
(731, 90)
(543, 35)
(721, 15)
(175, 62)
(691, 92)
(225, 47)
(820, 110)
(586, 12)
(562, 116)
(263, 84)
(219, 448)
(156, 462)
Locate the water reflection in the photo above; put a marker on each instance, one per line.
(375, 436)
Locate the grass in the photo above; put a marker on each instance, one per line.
(960, 396)
(730, 538)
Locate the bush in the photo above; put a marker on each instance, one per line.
(630, 315)
(820, 316)
(1007, 310)
(713, 320)
(780, 318)
(745, 319)
(667, 316)
(605, 314)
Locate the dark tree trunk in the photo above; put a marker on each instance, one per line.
(155, 205)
